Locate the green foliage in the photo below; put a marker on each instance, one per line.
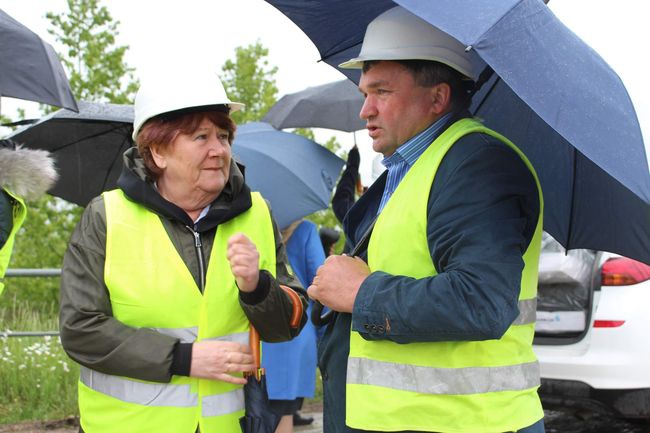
(250, 80)
(94, 63)
(331, 144)
(41, 243)
(4, 119)
(334, 146)
(305, 132)
(37, 379)
(20, 114)
(97, 72)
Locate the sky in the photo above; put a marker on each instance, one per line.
(204, 34)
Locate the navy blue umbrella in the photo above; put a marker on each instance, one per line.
(552, 95)
(294, 173)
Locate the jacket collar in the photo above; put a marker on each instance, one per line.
(138, 186)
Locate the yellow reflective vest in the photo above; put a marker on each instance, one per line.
(150, 287)
(456, 386)
(19, 214)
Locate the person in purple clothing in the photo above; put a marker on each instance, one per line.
(291, 366)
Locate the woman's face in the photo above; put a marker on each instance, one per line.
(195, 165)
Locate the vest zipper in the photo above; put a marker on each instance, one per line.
(199, 254)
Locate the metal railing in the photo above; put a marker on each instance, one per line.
(46, 272)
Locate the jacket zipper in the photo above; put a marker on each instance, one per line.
(199, 253)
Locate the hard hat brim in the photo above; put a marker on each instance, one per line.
(234, 106)
(357, 62)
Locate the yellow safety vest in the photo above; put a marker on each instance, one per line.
(19, 214)
(151, 287)
(456, 386)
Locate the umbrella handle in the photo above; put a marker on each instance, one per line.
(317, 316)
(254, 336)
(254, 342)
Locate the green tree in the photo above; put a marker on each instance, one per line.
(97, 72)
(250, 79)
(95, 65)
(40, 243)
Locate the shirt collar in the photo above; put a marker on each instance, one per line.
(412, 148)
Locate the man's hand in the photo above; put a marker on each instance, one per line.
(244, 262)
(337, 282)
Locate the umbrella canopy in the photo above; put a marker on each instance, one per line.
(294, 173)
(87, 147)
(333, 106)
(571, 115)
(29, 67)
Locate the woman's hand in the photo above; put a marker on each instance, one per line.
(244, 262)
(216, 360)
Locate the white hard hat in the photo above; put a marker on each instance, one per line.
(172, 91)
(397, 34)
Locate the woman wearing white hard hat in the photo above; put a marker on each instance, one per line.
(164, 275)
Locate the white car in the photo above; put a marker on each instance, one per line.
(592, 335)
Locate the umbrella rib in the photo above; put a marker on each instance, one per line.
(117, 154)
(487, 94)
(572, 201)
(322, 59)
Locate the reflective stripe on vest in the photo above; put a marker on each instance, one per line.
(167, 300)
(164, 394)
(188, 335)
(527, 312)
(222, 404)
(19, 214)
(429, 380)
(449, 386)
(161, 394)
(132, 391)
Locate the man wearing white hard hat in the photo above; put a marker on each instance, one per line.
(164, 275)
(437, 313)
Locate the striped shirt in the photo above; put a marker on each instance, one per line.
(399, 163)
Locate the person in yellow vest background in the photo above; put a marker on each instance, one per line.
(436, 314)
(164, 275)
(25, 174)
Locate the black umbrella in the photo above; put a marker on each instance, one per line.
(333, 106)
(29, 67)
(259, 417)
(87, 147)
(571, 115)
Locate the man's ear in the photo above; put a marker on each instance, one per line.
(440, 98)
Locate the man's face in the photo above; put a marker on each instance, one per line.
(396, 107)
